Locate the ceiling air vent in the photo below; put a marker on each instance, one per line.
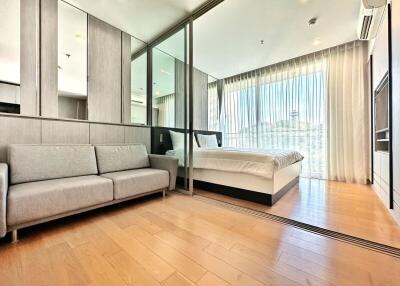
(371, 14)
(366, 25)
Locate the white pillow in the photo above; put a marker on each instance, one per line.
(207, 140)
(178, 140)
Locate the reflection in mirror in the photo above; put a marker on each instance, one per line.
(138, 82)
(163, 89)
(169, 82)
(72, 62)
(213, 104)
(170, 102)
(10, 56)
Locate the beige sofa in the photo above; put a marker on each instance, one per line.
(45, 182)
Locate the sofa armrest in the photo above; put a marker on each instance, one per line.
(3, 198)
(167, 163)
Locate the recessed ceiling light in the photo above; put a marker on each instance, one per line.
(316, 42)
(165, 72)
(304, 1)
(312, 21)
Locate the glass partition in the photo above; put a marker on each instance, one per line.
(138, 82)
(72, 62)
(10, 56)
(163, 89)
(169, 100)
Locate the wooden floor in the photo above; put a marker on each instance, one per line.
(348, 208)
(183, 241)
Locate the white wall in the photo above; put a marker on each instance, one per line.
(396, 105)
(380, 53)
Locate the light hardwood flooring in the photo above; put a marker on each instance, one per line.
(348, 208)
(183, 241)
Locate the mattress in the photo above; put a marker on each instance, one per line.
(262, 163)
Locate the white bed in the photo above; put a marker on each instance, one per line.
(266, 175)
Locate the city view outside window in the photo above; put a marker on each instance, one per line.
(288, 113)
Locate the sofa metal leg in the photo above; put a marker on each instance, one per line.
(163, 193)
(14, 236)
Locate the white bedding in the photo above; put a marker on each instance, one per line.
(261, 163)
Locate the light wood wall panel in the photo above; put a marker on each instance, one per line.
(200, 100)
(29, 57)
(14, 130)
(139, 135)
(49, 58)
(126, 78)
(64, 132)
(23, 130)
(104, 67)
(106, 133)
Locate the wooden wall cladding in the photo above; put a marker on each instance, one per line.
(49, 58)
(18, 131)
(140, 135)
(29, 57)
(65, 132)
(104, 134)
(126, 78)
(104, 69)
(26, 130)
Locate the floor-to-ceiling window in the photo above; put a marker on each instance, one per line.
(278, 107)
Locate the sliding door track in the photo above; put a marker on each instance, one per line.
(371, 245)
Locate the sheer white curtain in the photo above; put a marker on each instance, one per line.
(292, 116)
(348, 126)
(213, 107)
(166, 110)
(280, 107)
(239, 112)
(315, 104)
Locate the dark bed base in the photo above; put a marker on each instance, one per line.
(262, 198)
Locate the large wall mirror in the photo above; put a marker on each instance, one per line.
(169, 82)
(138, 82)
(10, 56)
(75, 55)
(72, 62)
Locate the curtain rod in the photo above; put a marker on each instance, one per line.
(319, 53)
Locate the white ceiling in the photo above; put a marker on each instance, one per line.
(144, 19)
(227, 38)
(72, 41)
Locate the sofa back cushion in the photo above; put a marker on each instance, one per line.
(114, 158)
(29, 163)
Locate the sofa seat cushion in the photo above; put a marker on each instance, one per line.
(39, 200)
(135, 182)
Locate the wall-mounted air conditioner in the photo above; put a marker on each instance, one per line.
(371, 13)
